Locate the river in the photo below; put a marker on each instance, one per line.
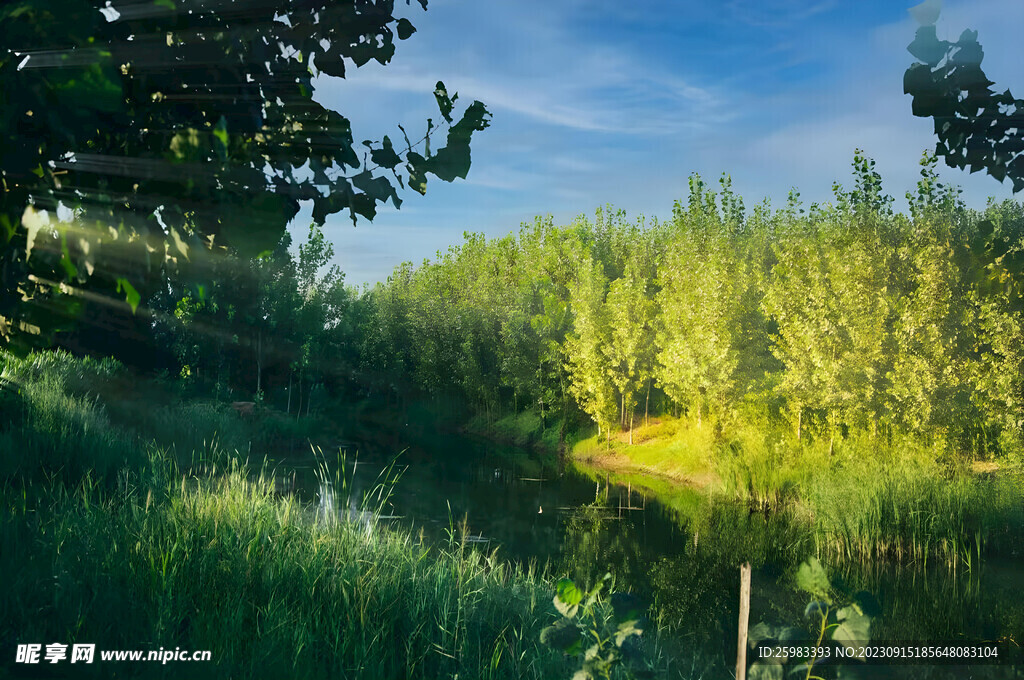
(680, 550)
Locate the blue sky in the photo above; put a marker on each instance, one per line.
(616, 101)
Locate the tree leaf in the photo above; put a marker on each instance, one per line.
(811, 578)
(416, 165)
(918, 79)
(854, 627)
(131, 296)
(386, 157)
(563, 635)
(444, 102)
(405, 29)
(567, 597)
(868, 604)
(626, 630)
(761, 632)
(927, 47)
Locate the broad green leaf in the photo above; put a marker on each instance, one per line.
(815, 608)
(453, 161)
(567, 597)
(918, 79)
(131, 296)
(444, 102)
(969, 53)
(377, 188)
(417, 167)
(179, 243)
(868, 604)
(386, 157)
(854, 627)
(563, 636)
(594, 594)
(626, 630)
(927, 47)
(811, 578)
(760, 632)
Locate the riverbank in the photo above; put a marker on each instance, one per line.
(110, 538)
(220, 563)
(863, 498)
(866, 499)
(663, 448)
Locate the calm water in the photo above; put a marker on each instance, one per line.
(681, 551)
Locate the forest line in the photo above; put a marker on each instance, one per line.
(847, 317)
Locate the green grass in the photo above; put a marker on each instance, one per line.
(58, 399)
(219, 562)
(665, 448)
(863, 498)
(45, 430)
(523, 429)
(911, 511)
(109, 537)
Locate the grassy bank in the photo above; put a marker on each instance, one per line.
(861, 498)
(865, 499)
(110, 537)
(524, 429)
(101, 415)
(220, 563)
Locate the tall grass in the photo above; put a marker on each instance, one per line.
(870, 500)
(913, 513)
(863, 498)
(219, 562)
(45, 430)
(759, 467)
(110, 539)
(54, 393)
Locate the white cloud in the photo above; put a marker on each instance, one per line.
(620, 98)
(868, 110)
(532, 59)
(777, 13)
(584, 118)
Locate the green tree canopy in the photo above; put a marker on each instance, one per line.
(167, 128)
(975, 126)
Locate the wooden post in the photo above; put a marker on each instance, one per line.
(741, 644)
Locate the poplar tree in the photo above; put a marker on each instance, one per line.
(586, 347)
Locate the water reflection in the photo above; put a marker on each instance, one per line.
(681, 552)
